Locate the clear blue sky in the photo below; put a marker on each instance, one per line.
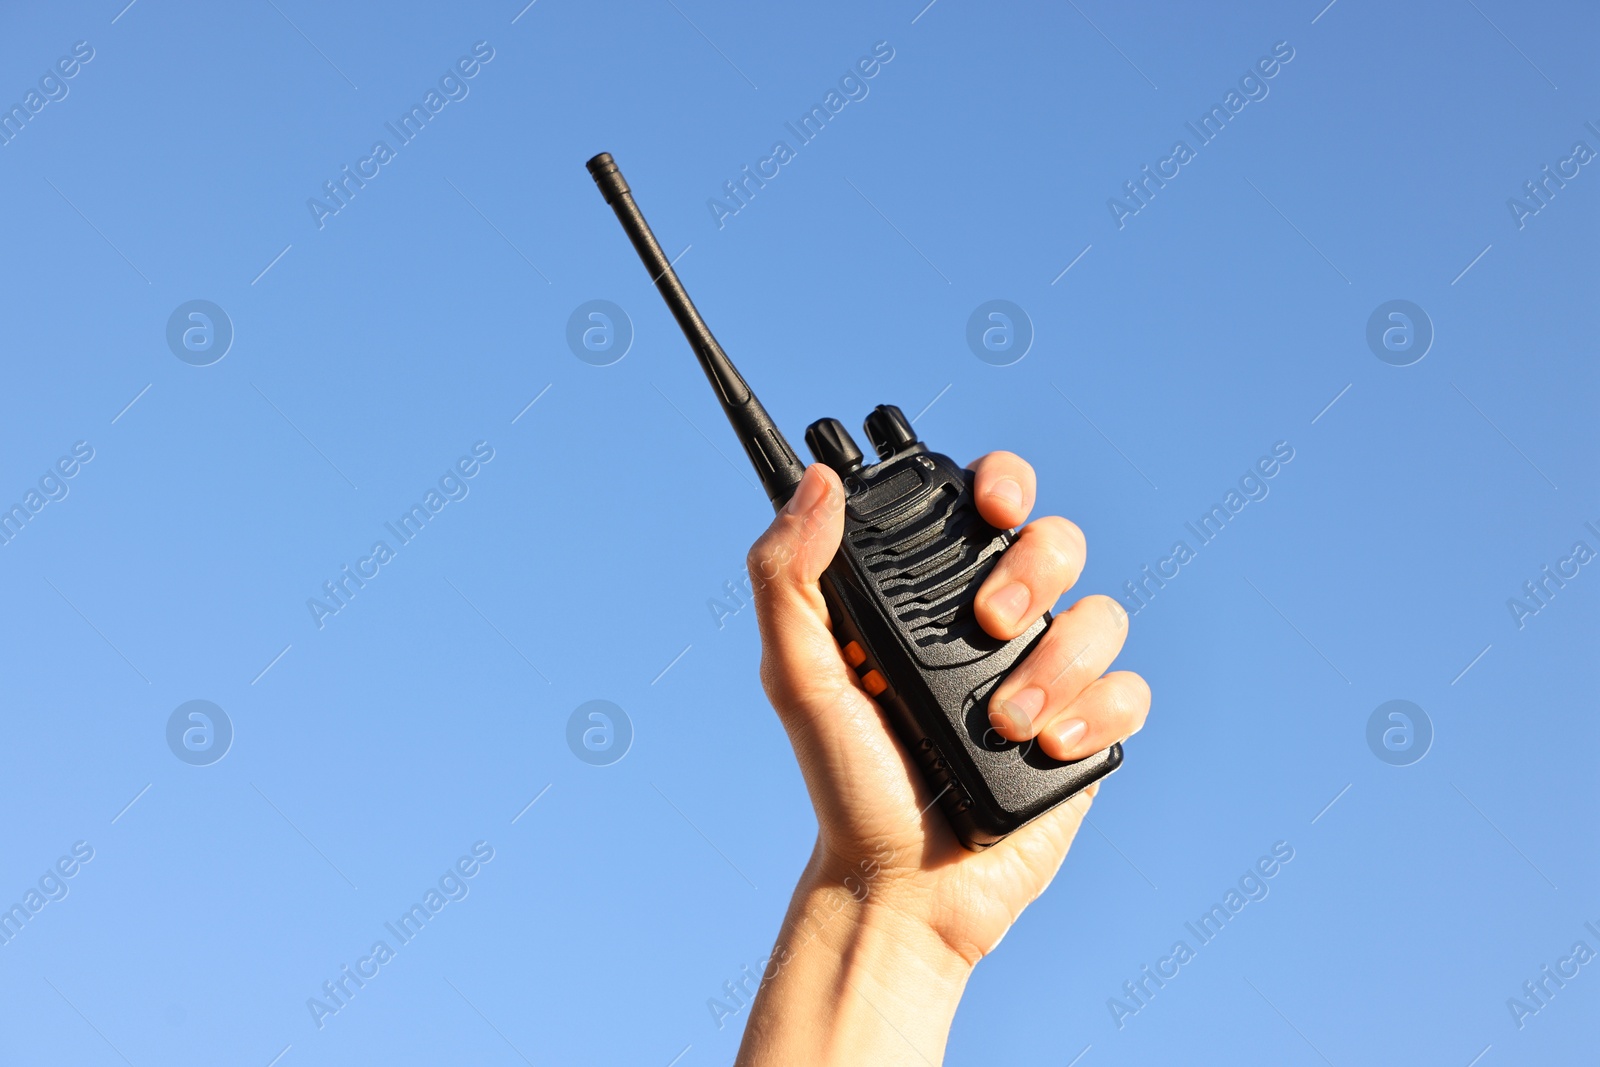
(1176, 340)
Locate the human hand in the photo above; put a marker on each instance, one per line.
(871, 802)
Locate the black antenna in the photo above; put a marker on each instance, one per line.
(775, 462)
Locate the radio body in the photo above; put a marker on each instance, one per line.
(900, 595)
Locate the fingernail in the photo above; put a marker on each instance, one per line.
(1069, 733)
(1011, 602)
(1015, 716)
(1007, 490)
(806, 494)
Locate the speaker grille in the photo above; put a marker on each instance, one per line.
(929, 563)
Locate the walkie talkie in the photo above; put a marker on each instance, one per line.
(900, 590)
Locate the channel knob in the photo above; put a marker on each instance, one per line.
(889, 430)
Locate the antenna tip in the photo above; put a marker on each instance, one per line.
(603, 169)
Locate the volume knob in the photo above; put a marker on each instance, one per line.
(832, 445)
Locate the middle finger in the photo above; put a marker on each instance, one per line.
(1044, 562)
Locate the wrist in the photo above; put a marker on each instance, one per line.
(846, 907)
(857, 975)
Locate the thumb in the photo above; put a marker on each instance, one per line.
(784, 564)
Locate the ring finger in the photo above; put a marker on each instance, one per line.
(1077, 648)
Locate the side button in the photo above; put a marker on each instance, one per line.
(854, 655)
(874, 682)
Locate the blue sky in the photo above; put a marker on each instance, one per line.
(376, 352)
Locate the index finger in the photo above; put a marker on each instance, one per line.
(1005, 488)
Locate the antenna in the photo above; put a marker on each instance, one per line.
(775, 462)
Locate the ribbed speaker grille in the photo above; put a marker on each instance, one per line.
(925, 562)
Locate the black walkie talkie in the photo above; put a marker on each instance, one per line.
(900, 590)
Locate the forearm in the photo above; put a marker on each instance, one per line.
(856, 977)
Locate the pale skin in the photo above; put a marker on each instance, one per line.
(891, 913)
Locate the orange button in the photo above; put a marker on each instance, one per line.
(874, 682)
(853, 654)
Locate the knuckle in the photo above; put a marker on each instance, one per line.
(766, 558)
(1126, 701)
(1122, 702)
(754, 559)
(1141, 695)
(1064, 661)
(1107, 607)
(1073, 534)
(1060, 544)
